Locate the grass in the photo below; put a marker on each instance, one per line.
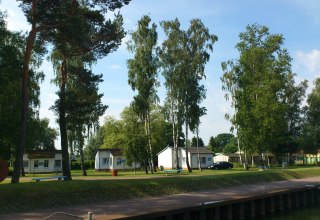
(28, 195)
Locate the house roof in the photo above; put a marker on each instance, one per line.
(228, 154)
(43, 154)
(113, 151)
(194, 150)
(164, 149)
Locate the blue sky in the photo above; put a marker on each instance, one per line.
(297, 20)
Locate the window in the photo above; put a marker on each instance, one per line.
(40, 163)
(203, 160)
(118, 161)
(209, 158)
(105, 160)
(36, 163)
(57, 163)
(46, 163)
(25, 163)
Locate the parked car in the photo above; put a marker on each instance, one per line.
(221, 165)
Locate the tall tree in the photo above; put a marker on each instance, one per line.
(313, 115)
(42, 136)
(84, 107)
(197, 142)
(11, 60)
(213, 145)
(257, 83)
(45, 17)
(143, 74)
(95, 38)
(134, 138)
(184, 55)
(94, 142)
(295, 117)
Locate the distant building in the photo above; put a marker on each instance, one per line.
(42, 161)
(167, 157)
(229, 157)
(110, 159)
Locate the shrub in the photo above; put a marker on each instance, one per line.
(76, 165)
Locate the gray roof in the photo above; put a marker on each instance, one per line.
(113, 151)
(194, 150)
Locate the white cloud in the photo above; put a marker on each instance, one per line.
(16, 20)
(309, 61)
(115, 66)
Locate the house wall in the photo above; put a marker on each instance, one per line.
(113, 162)
(193, 160)
(204, 162)
(165, 158)
(119, 162)
(100, 160)
(220, 157)
(182, 157)
(30, 164)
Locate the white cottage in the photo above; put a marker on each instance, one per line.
(167, 158)
(111, 159)
(229, 157)
(42, 161)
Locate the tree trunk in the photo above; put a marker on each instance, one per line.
(187, 156)
(146, 127)
(174, 136)
(83, 166)
(199, 162)
(25, 107)
(150, 143)
(63, 123)
(146, 167)
(239, 149)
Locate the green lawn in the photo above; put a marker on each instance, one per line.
(30, 195)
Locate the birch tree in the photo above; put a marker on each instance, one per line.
(143, 75)
(183, 56)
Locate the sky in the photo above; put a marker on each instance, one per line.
(297, 20)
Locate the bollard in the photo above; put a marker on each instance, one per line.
(90, 216)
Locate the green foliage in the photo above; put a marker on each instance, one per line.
(310, 140)
(261, 87)
(231, 146)
(194, 142)
(41, 136)
(183, 58)
(218, 143)
(76, 165)
(143, 74)
(11, 60)
(94, 142)
(128, 134)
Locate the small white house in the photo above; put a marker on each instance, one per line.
(229, 157)
(111, 159)
(167, 157)
(42, 161)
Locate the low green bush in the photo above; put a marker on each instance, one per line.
(76, 165)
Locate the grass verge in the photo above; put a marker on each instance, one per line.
(28, 196)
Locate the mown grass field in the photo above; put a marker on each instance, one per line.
(30, 195)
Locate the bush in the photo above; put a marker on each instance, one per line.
(76, 165)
